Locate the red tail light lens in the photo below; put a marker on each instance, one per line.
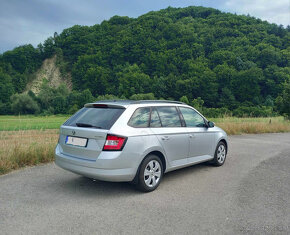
(114, 143)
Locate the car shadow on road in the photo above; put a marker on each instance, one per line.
(80, 185)
(187, 171)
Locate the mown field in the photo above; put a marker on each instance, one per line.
(30, 140)
(30, 122)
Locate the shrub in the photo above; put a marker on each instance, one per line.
(184, 99)
(257, 111)
(23, 104)
(216, 112)
(283, 101)
(197, 104)
(107, 97)
(147, 96)
(73, 109)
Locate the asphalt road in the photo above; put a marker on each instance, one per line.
(250, 194)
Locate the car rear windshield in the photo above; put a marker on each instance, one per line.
(100, 118)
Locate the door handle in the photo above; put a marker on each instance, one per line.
(191, 136)
(165, 137)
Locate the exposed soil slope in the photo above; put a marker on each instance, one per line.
(50, 72)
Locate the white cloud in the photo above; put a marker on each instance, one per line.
(273, 11)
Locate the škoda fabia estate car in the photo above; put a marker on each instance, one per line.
(137, 141)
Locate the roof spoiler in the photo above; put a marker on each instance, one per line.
(104, 106)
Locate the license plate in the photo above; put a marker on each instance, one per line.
(76, 141)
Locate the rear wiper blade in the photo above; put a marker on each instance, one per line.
(87, 125)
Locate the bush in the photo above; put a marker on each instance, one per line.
(216, 112)
(73, 109)
(48, 112)
(283, 101)
(107, 97)
(245, 111)
(184, 99)
(197, 104)
(147, 96)
(23, 104)
(5, 108)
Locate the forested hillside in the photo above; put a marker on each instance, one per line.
(199, 55)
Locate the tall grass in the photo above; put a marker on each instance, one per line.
(26, 148)
(253, 128)
(30, 147)
(237, 126)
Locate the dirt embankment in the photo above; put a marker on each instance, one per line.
(50, 72)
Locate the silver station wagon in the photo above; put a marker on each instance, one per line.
(137, 141)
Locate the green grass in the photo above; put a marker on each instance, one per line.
(236, 125)
(29, 122)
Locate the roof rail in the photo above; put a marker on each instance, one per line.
(140, 101)
(156, 101)
(106, 101)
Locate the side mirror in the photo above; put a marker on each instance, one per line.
(210, 124)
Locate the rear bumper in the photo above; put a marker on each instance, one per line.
(89, 169)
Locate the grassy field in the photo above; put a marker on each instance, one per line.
(26, 148)
(29, 122)
(237, 126)
(29, 140)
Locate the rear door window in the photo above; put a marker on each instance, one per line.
(102, 118)
(140, 118)
(155, 120)
(169, 116)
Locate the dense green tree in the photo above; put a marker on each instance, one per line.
(45, 96)
(283, 101)
(86, 96)
(49, 47)
(23, 104)
(159, 87)
(148, 96)
(23, 59)
(269, 101)
(227, 99)
(109, 97)
(59, 104)
(6, 87)
(132, 80)
(269, 56)
(227, 60)
(246, 84)
(225, 75)
(208, 88)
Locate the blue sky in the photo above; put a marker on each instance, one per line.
(32, 21)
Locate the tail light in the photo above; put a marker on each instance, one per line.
(114, 143)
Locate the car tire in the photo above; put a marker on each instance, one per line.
(150, 173)
(220, 154)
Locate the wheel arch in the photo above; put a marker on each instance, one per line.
(161, 156)
(225, 142)
(154, 152)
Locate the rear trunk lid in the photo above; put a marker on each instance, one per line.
(84, 134)
(94, 138)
